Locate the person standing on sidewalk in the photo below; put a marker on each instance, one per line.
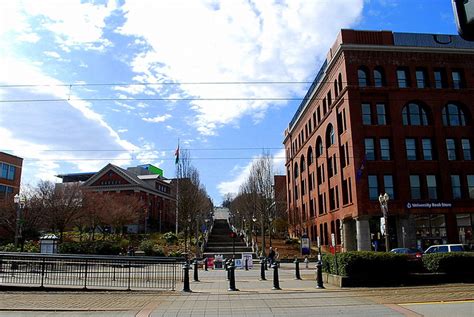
(271, 256)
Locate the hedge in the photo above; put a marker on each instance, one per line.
(90, 247)
(451, 263)
(367, 265)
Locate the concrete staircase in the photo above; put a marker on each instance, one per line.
(220, 242)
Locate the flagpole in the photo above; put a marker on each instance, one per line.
(177, 187)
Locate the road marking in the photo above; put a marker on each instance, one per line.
(440, 302)
(405, 311)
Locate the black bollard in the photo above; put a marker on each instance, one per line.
(231, 269)
(196, 278)
(262, 270)
(186, 287)
(319, 275)
(205, 264)
(246, 264)
(297, 269)
(276, 281)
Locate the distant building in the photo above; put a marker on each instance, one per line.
(145, 182)
(387, 113)
(281, 206)
(10, 175)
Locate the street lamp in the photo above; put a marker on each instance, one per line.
(254, 230)
(19, 204)
(271, 228)
(383, 200)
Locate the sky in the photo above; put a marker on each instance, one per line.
(86, 83)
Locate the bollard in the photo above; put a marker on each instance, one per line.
(297, 269)
(246, 264)
(262, 270)
(276, 282)
(306, 261)
(196, 278)
(231, 269)
(319, 275)
(205, 264)
(186, 278)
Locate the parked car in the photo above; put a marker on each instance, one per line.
(443, 248)
(413, 253)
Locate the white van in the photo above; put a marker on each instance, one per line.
(443, 248)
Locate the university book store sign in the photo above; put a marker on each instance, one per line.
(411, 205)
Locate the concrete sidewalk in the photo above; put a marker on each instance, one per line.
(210, 297)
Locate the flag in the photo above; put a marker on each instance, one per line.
(177, 155)
(360, 171)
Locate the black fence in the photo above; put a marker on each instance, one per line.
(89, 271)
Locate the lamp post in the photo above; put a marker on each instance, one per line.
(383, 200)
(19, 204)
(186, 238)
(254, 219)
(271, 228)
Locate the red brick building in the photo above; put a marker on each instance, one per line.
(152, 188)
(10, 175)
(387, 113)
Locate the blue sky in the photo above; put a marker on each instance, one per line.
(97, 62)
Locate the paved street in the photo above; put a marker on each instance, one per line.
(210, 297)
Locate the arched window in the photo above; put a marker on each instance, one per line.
(379, 77)
(296, 173)
(302, 164)
(310, 156)
(330, 138)
(362, 76)
(414, 114)
(453, 116)
(319, 147)
(335, 88)
(339, 79)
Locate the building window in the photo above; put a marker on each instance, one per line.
(310, 156)
(362, 77)
(332, 198)
(414, 114)
(440, 78)
(319, 147)
(366, 114)
(466, 149)
(4, 170)
(379, 78)
(410, 145)
(373, 187)
(330, 139)
(369, 149)
(457, 79)
(330, 168)
(302, 164)
(432, 187)
(451, 149)
(296, 173)
(415, 188)
(340, 82)
(421, 78)
(381, 114)
(470, 186)
(427, 149)
(329, 99)
(465, 223)
(430, 229)
(402, 78)
(388, 186)
(385, 149)
(453, 116)
(456, 186)
(303, 188)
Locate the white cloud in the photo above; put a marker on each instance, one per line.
(122, 130)
(52, 54)
(157, 119)
(243, 173)
(234, 41)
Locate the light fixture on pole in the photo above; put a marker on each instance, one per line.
(19, 205)
(254, 219)
(383, 200)
(271, 228)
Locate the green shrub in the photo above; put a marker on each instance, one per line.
(9, 248)
(147, 247)
(170, 238)
(90, 247)
(367, 265)
(31, 246)
(452, 263)
(176, 254)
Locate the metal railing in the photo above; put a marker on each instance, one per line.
(90, 271)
